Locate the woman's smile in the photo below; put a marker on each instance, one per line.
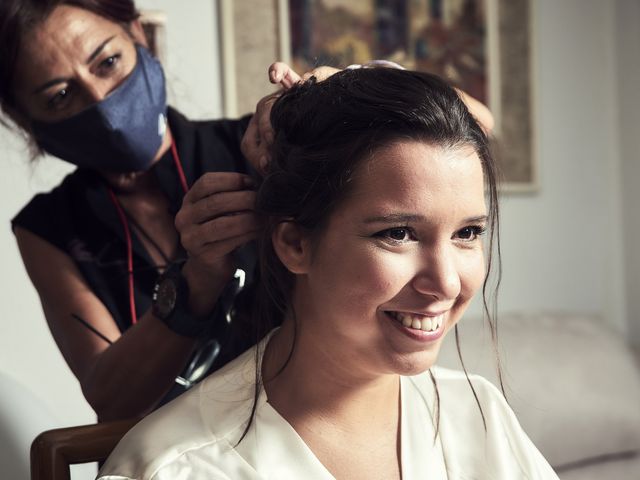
(417, 321)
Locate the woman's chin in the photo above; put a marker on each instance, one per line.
(416, 363)
(125, 182)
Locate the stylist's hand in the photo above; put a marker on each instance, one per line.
(481, 113)
(217, 216)
(321, 73)
(258, 138)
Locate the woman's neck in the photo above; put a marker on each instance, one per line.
(313, 383)
(138, 182)
(352, 427)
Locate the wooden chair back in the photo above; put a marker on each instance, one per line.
(53, 451)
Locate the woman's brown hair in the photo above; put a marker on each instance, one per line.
(323, 131)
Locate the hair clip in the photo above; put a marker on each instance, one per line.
(376, 64)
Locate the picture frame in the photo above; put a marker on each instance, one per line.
(249, 46)
(515, 133)
(154, 24)
(481, 46)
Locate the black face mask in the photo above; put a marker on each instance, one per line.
(121, 133)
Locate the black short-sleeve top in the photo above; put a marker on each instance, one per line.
(79, 218)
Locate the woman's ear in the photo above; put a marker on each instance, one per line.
(291, 244)
(137, 33)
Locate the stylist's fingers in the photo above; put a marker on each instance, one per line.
(213, 253)
(263, 117)
(214, 235)
(481, 113)
(257, 140)
(229, 226)
(282, 74)
(219, 204)
(214, 194)
(250, 145)
(216, 182)
(321, 73)
(264, 121)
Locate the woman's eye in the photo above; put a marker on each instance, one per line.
(396, 234)
(469, 234)
(110, 63)
(59, 99)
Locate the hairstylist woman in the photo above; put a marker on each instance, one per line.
(76, 77)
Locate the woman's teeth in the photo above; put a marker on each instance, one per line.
(418, 322)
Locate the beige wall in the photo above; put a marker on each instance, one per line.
(562, 246)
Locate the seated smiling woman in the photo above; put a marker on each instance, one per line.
(380, 190)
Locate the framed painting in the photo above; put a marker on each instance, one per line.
(154, 26)
(480, 46)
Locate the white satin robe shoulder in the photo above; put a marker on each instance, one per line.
(196, 436)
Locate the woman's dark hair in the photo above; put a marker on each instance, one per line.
(19, 17)
(324, 130)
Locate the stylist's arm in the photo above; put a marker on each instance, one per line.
(122, 375)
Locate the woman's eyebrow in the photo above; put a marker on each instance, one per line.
(48, 84)
(410, 218)
(90, 59)
(477, 219)
(99, 49)
(395, 218)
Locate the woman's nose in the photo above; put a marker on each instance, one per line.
(94, 91)
(438, 275)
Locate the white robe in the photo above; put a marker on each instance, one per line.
(195, 436)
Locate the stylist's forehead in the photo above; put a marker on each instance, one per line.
(66, 42)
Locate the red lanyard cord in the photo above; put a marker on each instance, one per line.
(127, 236)
(127, 232)
(176, 160)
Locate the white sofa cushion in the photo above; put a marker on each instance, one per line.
(571, 380)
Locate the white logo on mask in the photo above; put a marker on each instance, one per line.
(162, 125)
